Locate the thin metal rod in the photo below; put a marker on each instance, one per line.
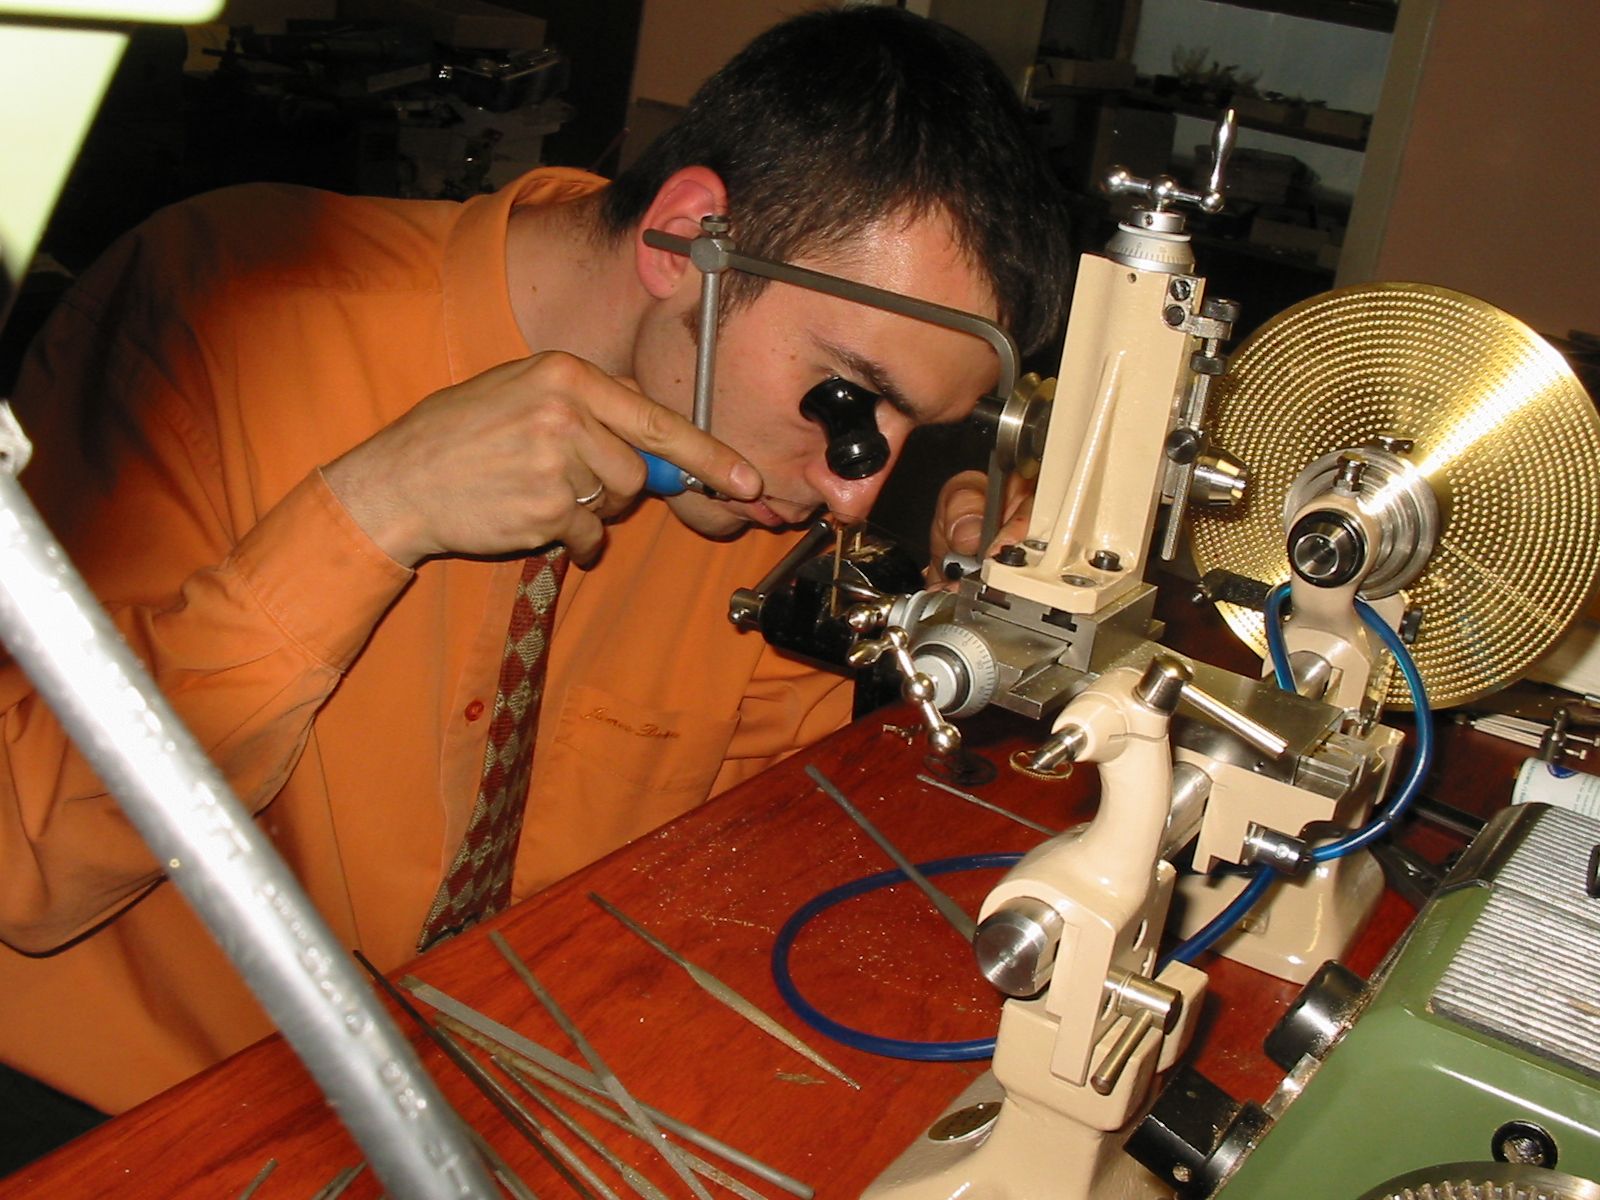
(948, 908)
(1268, 741)
(467, 1017)
(705, 363)
(724, 994)
(340, 1183)
(267, 1168)
(527, 1070)
(224, 866)
(982, 803)
(501, 1169)
(549, 1137)
(630, 1174)
(602, 1072)
(481, 1079)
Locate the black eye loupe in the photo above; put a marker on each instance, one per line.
(848, 412)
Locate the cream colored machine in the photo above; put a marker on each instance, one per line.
(1386, 541)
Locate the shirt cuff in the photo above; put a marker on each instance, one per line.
(317, 574)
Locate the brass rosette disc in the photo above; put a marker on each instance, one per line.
(1500, 428)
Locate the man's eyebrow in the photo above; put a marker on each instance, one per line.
(876, 376)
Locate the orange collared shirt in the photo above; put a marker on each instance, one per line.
(181, 403)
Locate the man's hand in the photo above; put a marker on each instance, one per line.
(498, 464)
(958, 519)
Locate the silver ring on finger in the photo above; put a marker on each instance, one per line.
(592, 497)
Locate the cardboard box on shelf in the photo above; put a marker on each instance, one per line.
(1101, 73)
(1337, 122)
(1259, 176)
(1268, 112)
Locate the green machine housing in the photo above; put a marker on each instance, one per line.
(1476, 1043)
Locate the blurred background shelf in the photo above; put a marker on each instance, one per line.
(1360, 14)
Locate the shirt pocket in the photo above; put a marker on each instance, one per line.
(642, 744)
(614, 770)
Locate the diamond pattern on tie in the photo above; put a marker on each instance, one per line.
(478, 883)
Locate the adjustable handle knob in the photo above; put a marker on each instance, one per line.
(1165, 191)
(1016, 945)
(915, 687)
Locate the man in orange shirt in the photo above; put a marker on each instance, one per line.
(300, 444)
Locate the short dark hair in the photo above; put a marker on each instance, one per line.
(835, 119)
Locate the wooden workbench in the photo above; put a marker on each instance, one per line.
(717, 885)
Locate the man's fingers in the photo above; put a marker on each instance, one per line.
(646, 425)
(584, 537)
(965, 533)
(958, 520)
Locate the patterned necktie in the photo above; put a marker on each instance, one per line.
(478, 883)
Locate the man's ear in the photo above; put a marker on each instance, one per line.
(686, 196)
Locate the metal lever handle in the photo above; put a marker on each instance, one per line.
(1166, 191)
(1151, 1005)
(1168, 681)
(1104, 1080)
(915, 687)
(1222, 139)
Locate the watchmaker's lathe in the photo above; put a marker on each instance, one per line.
(1393, 491)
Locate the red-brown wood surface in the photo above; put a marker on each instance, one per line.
(717, 885)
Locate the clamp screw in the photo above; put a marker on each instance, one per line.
(1011, 556)
(1183, 445)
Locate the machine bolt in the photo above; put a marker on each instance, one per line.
(1351, 469)
(1183, 445)
(1106, 560)
(1175, 315)
(1523, 1143)
(1181, 288)
(1062, 746)
(1011, 556)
